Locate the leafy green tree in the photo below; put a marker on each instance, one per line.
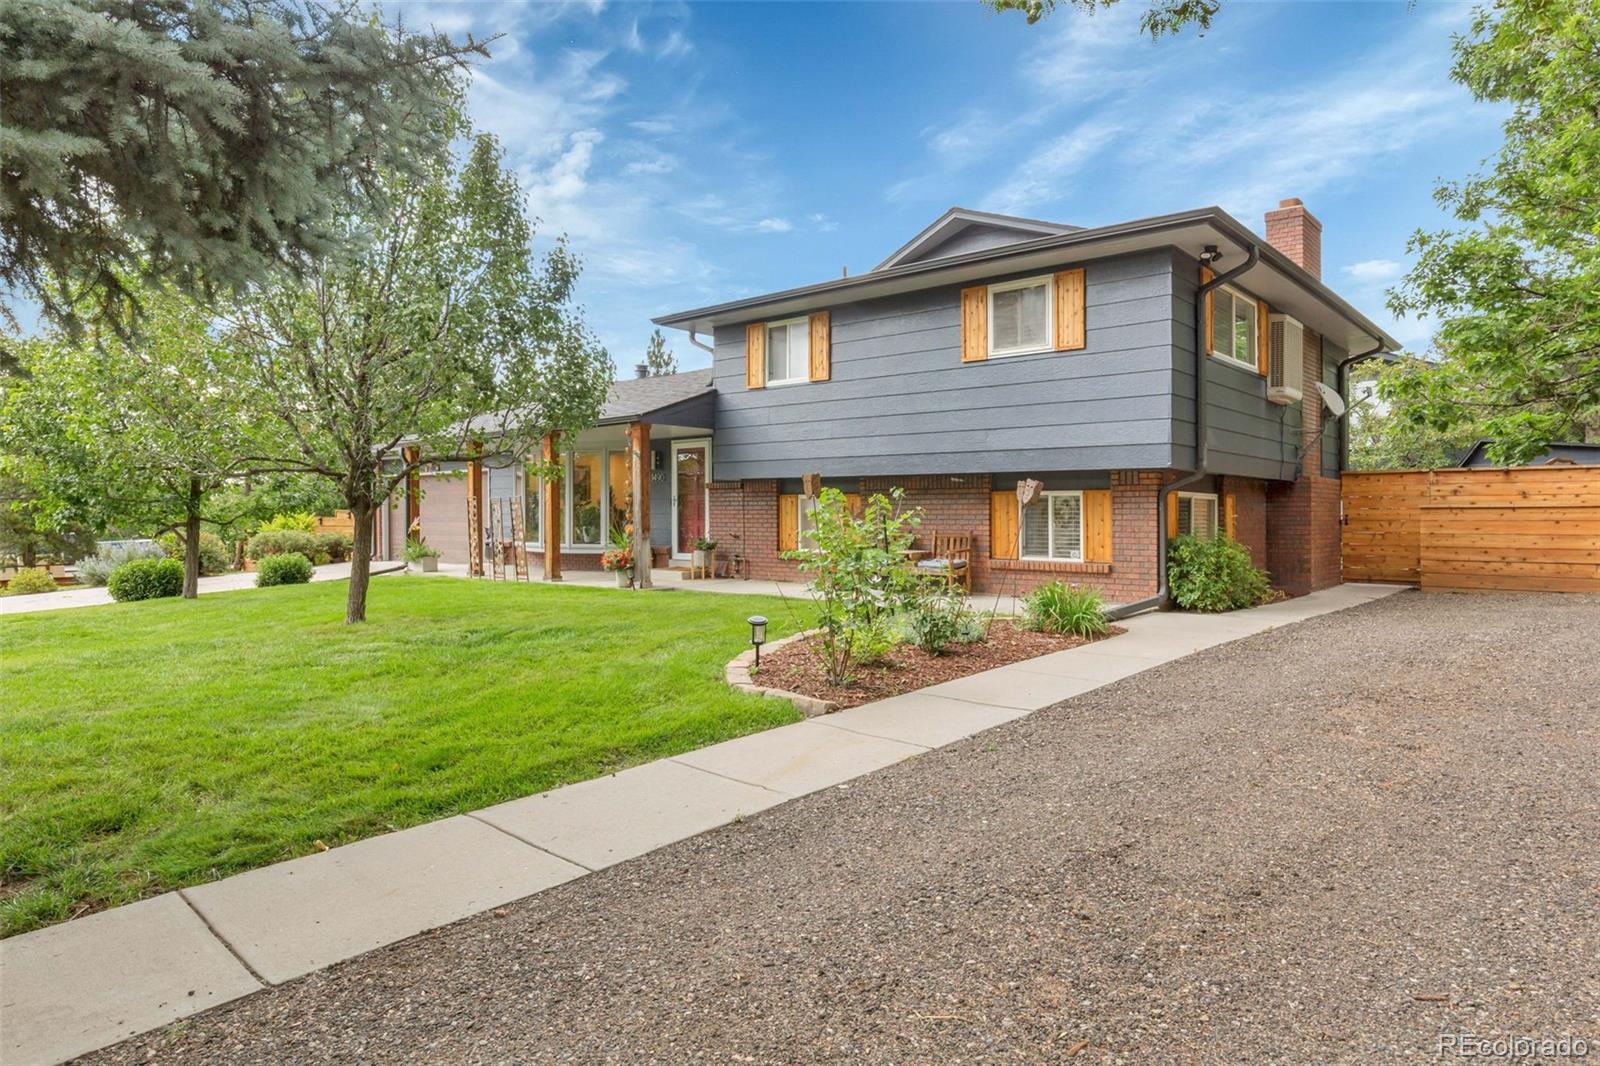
(444, 330)
(1381, 440)
(140, 432)
(201, 143)
(25, 538)
(658, 358)
(1163, 16)
(1517, 292)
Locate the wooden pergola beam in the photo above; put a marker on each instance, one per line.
(550, 452)
(639, 459)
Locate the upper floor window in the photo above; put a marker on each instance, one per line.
(1233, 326)
(1052, 527)
(788, 351)
(1020, 316)
(1197, 514)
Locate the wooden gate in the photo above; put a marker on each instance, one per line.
(1533, 528)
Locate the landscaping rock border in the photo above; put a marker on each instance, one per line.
(737, 674)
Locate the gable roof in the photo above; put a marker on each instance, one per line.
(961, 222)
(633, 398)
(1275, 277)
(1574, 452)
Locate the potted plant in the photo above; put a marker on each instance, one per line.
(618, 559)
(420, 556)
(704, 553)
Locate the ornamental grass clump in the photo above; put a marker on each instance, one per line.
(1214, 574)
(860, 577)
(1061, 608)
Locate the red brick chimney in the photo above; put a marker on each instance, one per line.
(1295, 232)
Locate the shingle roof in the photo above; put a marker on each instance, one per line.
(633, 398)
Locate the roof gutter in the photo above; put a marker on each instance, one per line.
(1202, 443)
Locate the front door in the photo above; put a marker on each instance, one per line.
(691, 467)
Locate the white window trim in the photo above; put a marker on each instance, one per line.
(1049, 282)
(1253, 364)
(532, 543)
(1185, 499)
(1050, 532)
(785, 324)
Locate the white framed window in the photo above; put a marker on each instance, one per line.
(1021, 316)
(1051, 527)
(1234, 327)
(788, 351)
(532, 509)
(1197, 514)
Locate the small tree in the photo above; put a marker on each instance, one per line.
(441, 331)
(657, 358)
(860, 576)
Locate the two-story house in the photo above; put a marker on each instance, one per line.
(1156, 376)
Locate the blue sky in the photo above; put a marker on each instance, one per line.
(698, 153)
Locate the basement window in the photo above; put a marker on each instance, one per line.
(1051, 527)
(1197, 514)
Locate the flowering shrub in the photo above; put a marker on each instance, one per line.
(614, 559)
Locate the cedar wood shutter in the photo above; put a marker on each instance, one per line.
(1264, 339)
(755, 355)
(1230, 514)
(1172, 515)
(975, 324)
(1205, 310)
(1069, 310)
(1097, 525)
(821, 346)
(1003, 514)
(788, 522)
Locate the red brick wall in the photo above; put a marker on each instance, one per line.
(570, 560)
(1295, 232)
(1250, 514)
(744, 517)
(1303, 515)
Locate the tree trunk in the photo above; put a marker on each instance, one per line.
(30, 555)
(191, 542)
(360, 561)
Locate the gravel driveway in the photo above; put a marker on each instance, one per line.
(1332, 842)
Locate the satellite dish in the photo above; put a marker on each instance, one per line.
(1331, 399)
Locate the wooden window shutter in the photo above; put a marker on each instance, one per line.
(975, 324)
(1070, 310)
(755, 355)
(1003, 515)
(1263, 338)
(1205, 311)
(1097, 525)
(788, 523)
(1229, 515)
(1172, 515)
(821, 346)
(852, 500)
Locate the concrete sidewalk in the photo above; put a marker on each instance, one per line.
(71, 988)
(97, 596)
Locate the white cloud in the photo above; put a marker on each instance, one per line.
(675, 45)
(655, 127)
(652, 161)
(1040, 177)
(1374, 271)
(774, 225)
(566, 178)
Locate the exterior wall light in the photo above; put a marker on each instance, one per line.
(758, 633)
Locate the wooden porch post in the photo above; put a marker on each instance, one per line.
(475, 510)
(413, 489)
(550, 452)
(639, 453)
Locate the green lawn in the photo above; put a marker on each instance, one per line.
(148, 746)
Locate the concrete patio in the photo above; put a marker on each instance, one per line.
(82, 985)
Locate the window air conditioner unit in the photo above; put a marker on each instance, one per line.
(1285, 359)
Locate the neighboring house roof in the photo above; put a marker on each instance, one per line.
(632, 399)
(960, 230)
(1574, 453)
(1275, 277)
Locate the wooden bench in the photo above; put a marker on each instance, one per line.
(950, 558)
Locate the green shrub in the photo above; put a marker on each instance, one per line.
(1061, 608)
(97, 569)
(1214, 574)
(937, 617)
(30, 581)
(146, 579)
(214, 555)
(293, 522)
(292, 569)
(282, 542)
(336, 546)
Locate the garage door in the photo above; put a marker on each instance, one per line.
(444, 516)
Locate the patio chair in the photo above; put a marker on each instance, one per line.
(949, 557)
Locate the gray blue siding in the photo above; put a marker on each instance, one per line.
(901, 402)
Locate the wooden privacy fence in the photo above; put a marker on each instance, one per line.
(1533, 528)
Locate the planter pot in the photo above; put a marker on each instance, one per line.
(704, 559)
(429, 565)
(624, 579)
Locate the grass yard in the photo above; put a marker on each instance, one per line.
(148, 746)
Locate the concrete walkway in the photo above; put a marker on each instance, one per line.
(71, 988)
(97, 596)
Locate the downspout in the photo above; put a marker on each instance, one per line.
(1201, 441)
(698, 343)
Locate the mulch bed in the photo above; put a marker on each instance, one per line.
(797, 667)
